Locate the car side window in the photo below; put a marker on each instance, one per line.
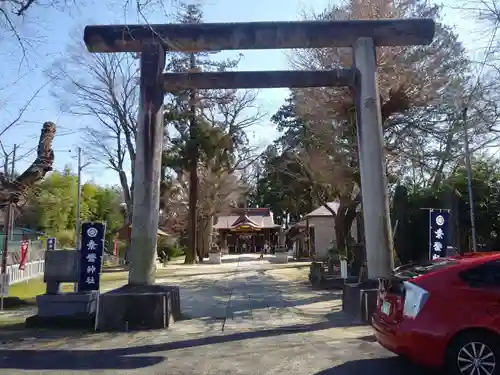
(483, 276)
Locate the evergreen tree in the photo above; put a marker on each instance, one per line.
(199, 135)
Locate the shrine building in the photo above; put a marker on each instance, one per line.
(246, 230)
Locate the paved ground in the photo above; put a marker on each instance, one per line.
(243, 317)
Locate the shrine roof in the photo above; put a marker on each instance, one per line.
(123, 231)
(255, 217)
(323, 211)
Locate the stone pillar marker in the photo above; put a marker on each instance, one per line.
(362, 35)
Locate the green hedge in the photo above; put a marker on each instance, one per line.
(167, 250)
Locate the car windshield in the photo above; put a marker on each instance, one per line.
(417, 269)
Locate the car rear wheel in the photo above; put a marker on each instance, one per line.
(474, 354)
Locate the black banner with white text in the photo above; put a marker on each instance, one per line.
(438, 228)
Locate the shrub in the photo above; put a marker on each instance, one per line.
(65, 239)
(167, 250)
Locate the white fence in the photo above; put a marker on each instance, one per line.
(36, 268)
(31, 270)
(111, 260)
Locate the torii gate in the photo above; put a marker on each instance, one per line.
(153, 41)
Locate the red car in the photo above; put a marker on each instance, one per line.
(444, 313)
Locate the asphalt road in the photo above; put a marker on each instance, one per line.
(243, 317)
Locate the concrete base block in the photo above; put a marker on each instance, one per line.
(281, 257)
(67, 304)
(332, 283)
(138, 308)
(85, 322)
(215, 258)
(359, 299)
(316, 273)
(368, 304)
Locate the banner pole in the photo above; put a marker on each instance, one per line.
(430, 233)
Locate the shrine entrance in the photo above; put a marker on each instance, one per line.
(245, 242)
(250, 241)
(247, 230)
(153, 41)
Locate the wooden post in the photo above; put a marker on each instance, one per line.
(379, 246)
(149, 143)
(6, 231)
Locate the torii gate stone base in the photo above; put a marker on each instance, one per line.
(153, 41)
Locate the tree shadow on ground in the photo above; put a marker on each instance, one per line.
(231, 294)
(378, 366)
(241, 259)
(221, 298)
(199, 274)
(74, 360)
(254, 257)
(130, 357)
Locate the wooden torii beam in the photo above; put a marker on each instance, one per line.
(152, 41)
(254, 80)
(258, 35)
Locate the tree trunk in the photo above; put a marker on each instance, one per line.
(207, 235)
(199, 239)
(340, 234)
(127, 197)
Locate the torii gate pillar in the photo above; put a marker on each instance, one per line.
(374, 187)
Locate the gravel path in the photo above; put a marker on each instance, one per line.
(244, 317)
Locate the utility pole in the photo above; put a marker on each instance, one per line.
(12, 212)
(4, 277)
(8, 225)
(6, 165)
(78, 204)
(8, 211)
(78, 200)
(469, 180)
(193, 166)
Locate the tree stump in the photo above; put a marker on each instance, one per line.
(316, 274)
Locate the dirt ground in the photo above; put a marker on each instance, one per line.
(244, 316)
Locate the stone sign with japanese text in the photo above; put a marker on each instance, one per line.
(92, 249)
(438, 240)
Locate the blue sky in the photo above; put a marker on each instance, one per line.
(50, 32)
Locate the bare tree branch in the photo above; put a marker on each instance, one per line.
(103, 89)
(12, 190)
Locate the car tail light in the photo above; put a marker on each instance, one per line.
(380, 297)
(415, 298)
